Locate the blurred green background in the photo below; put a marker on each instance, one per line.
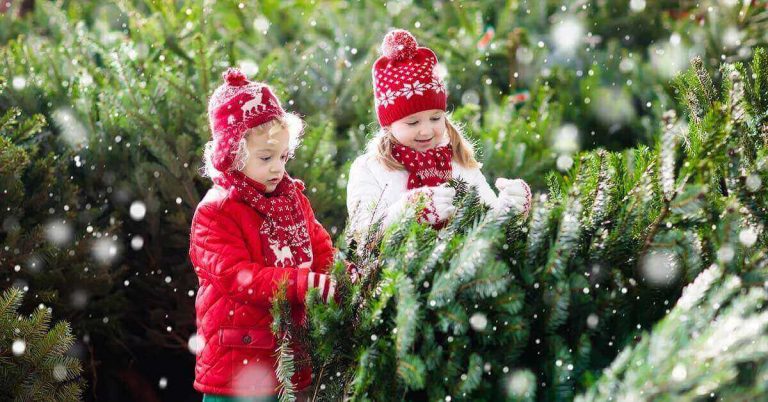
(101, 179)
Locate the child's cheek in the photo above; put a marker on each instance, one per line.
(411, 133)
(440, 131)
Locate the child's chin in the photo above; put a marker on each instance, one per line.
(423, 147)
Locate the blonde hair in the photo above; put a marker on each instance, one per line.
(463, 149)
(288, 121)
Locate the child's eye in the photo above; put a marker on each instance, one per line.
(436, 118)
(266, 158)
(412, 123)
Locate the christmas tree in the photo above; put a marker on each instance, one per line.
(104, 122)
(492, 307)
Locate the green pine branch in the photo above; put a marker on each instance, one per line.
(34, 363)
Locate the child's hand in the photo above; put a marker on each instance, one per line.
(352, 271)
(324, 284)
(514, 194)
(439, 202)
(331, 291)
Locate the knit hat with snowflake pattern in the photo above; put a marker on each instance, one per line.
(236, 106)
(404, 79)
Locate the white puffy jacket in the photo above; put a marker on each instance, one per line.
(373, 191)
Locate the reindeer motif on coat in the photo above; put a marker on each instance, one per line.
(308, 252)
(283, 255)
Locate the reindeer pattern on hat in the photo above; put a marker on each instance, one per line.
(254, 104)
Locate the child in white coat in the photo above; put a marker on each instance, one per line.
(418, 148)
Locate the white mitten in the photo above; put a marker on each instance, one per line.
(513, 194)
(437, 201)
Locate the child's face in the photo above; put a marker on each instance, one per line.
(420, 131)
(268, 154)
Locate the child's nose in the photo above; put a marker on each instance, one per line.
(276, 167)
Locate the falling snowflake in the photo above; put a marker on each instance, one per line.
(660, 267)
(592, 321)
(104, 250)
(564, 162)
(58, 232)
(244, 277)
(18, 347)
(78, 299)
(137, 242)
(637, 5)
(138, 210)
(669, 57)
(566, 139)
(249, 67)
(753, 182)
(725, 254)
(520, 384)
(478, 321)
(73, 132)
(470, 97)
(253, 375)
(19, 83)
(748, 237)
(196, 344)
(568, 34)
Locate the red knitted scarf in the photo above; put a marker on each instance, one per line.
(430, 168)
(284, 236)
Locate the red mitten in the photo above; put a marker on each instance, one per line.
(325, 285)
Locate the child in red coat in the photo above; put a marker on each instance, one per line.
(253, 230)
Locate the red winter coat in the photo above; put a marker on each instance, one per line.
(236, 288)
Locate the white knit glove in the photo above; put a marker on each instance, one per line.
(437, 201)
(514, 195)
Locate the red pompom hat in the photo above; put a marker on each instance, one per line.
(404, 79)
(236, 106)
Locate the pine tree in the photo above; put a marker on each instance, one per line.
(44, 250)
(112, 99)
(595, 263)
(33, 360)
(281, 323)
(711, 344)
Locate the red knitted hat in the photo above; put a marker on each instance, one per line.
(404, 79)
(236, 106)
